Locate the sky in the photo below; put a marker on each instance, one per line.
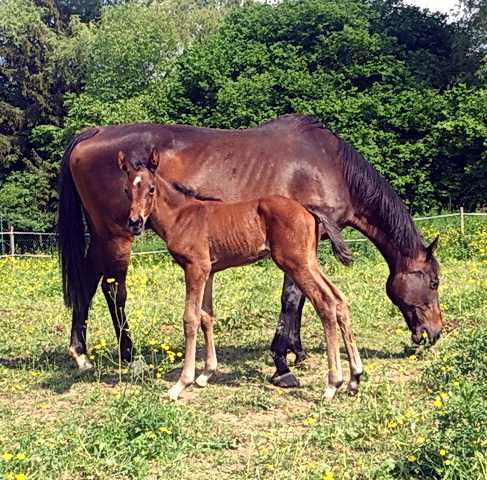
(443, 6)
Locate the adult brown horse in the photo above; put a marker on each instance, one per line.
(293, 155)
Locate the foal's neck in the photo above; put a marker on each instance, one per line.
(168, 204)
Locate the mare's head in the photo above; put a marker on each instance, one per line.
(413, 287)
(140, 189)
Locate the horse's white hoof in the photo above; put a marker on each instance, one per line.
(173, 394)
(201, 381)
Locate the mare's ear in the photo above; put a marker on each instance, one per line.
(122, 162)
(430, 250)
(153, 160)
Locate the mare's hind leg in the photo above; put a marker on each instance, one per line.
(207, 327)
(92, 274)
(292, 301)
(116, 261)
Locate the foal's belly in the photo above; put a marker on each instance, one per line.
(224, 258)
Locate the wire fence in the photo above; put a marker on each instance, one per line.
(41, 244)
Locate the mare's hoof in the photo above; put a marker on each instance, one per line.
(288, 380)
(300, 357)
(138, 368)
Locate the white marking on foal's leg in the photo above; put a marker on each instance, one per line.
(82, 361)
(137, 180)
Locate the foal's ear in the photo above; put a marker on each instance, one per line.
(430, 250)
(153, 160)
(122, 162)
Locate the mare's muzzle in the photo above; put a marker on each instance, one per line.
(136, 225)
(422, 333)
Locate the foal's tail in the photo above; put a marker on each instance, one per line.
(71, 231)
(338, 245)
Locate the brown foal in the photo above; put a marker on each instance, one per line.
(206, 236)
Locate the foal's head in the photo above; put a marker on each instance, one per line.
(140, 189)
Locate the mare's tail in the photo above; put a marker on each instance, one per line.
(338, 245)
(71, 231)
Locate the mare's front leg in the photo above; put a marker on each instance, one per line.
(287, 334)
(91, 274)
(195, 277)
(207, 327)
(116, 260)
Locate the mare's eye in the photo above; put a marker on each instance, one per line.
(152, 190)
(126, 190)
(434, 285)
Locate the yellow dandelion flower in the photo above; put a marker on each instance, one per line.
(442, 452)
(420, 440)
(110, 280)
(411, 458)
(6, 456)
(437, 403)
(328, 476)
(446, 462)
(151, 435)
(20, 456)
(392, 425)
(20, 476)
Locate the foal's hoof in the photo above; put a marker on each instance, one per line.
(288, 380)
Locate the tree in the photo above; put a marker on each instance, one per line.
(322, 58)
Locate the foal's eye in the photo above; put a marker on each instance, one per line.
(152, 190)
(126, 190)
(434, 285)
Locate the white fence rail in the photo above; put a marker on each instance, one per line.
(41, 244)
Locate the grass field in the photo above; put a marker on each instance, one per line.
(420, 412)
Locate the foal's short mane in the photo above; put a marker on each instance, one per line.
(371, 193)
(189, 192)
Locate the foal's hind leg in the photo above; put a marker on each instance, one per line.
(116, 261)
(292, 301)
(91, 274)
(207, 327)
(343, 319)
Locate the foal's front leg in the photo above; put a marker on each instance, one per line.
(207, 327)
(196, 278)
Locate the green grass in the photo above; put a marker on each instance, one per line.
(58, 424)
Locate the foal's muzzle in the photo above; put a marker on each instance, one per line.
(136, 225)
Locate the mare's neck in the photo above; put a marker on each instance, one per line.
(392, 253)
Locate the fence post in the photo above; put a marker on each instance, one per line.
(462, 224)
(12, 241)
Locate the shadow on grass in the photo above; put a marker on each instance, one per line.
(237, 366)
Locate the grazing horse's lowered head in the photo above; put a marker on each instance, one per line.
(413, 288)
(141, 196)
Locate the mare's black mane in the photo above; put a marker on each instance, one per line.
(370, 192)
